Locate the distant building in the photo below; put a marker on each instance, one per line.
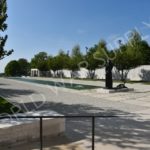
(35, 72)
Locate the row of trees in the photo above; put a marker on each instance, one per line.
(18, 68)
(61, 61)
(128, 55)
(134, 53)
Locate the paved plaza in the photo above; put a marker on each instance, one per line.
(130, 130)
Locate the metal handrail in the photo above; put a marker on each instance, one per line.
(46, 117)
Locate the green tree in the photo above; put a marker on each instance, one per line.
(3, 27)
(50, 62)
(24, 66)
(92, 62)
(12, 68)
(102, 54)
(62, 60)
(75, 59)
(137, 44)
(145, 50)
(128, 55)
(59, 62)
(40, 61)
(54, 65)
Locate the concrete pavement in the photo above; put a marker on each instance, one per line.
(130, 130)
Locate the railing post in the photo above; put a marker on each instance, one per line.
(41, 134)
(93, 132)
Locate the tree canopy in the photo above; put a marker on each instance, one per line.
(76, 58)
(17, 68)
(24, 67)
(3, 27)
(12, 68)
(92, 63)
(102, 53)
(40, 61)
(131, 54)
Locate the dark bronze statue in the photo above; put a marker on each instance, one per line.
(108, 81)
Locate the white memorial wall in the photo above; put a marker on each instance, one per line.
(141, 73)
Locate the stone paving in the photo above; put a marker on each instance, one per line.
(130, 130)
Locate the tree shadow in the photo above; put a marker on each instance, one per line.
(50, 143)
(123, 131)
(8, 93)
(116, 75)
(2, 84)
(145, 75)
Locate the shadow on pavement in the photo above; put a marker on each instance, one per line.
(8, 93)
(124, 131)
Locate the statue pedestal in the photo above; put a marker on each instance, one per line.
(114, 90)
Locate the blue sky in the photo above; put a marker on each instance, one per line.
(51, 25)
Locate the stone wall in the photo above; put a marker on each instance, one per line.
(141, 73)
(24, 130)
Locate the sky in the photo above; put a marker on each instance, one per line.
(51, 25)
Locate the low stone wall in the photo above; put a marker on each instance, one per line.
(24, 130)
(141, 73)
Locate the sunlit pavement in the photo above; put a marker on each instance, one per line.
(129, 131)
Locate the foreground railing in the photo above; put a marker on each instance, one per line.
(46, 117)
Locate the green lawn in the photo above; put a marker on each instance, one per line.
(5, 107)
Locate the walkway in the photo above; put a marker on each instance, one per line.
(131, 130)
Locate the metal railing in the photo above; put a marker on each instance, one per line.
(46, 117)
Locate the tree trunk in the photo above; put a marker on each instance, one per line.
(122, 79)
(93, 74)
